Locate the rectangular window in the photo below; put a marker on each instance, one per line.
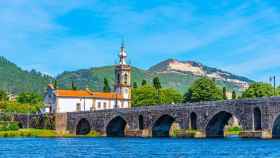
(104, 105)
(99, 105)
(78, 107)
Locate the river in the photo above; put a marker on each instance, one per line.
(138, 148)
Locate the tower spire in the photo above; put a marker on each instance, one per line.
(122, 54)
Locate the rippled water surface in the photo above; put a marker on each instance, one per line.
(136, 147)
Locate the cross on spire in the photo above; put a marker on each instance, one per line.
(122, 54)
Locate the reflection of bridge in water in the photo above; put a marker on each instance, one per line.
(257, 117)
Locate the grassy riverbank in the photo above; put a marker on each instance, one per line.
(195, 133)
(41, 133)
(232, 131)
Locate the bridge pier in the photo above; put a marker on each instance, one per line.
(61, 123)
(263, 134)
(145, 133)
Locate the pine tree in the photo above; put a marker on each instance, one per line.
(55, 84)
(135, 85)
(3, 95)
(73, 86)
(233, 95)
(156, 83)
(106, 87)
(144, 82)
(224, 93)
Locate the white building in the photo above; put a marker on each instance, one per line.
(60, 101)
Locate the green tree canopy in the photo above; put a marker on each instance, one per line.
(203, 89)
(55, 84)
(224, 93)
(135, 85)
(170, 96)
(25, 103)
(73, 86)
(156, 83)
(144, 82)
(29, 98)
(258, 89)
(145, 95)
(148, 95)
(3, 95)
(16, 107)
(106, 87)
(233, 95)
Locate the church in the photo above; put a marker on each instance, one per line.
(61, 101)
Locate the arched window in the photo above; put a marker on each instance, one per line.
(125, 78)
(118, 77)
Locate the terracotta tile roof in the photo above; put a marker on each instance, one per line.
(107, 95)
(73, 93)
(87, 93)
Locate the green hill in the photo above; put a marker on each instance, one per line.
(172, 73)
(15, 80)
(93, 78)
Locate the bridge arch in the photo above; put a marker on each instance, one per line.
(276, 127)
(162, 126)
(83, 127)
(257, 119)
(116, 127)
(215, 127)
(193, 121)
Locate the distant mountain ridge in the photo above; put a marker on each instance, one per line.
(172, 73)
(198, 69)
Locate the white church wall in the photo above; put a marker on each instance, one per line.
(102, 104)
(70, 104)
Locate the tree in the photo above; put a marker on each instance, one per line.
(258, 89)
(31, 102)
(144, 82)
(224, 93)
(3, 96)
(106, 87)
(55, 84)
(148, 95)
(29, 98)
(233, 95)
(156, 83)
(16, 107)
(170, 96)
(135, 85)
(73, 86)
(203, 89)
(144, 96)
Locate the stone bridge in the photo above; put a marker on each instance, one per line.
(257, 118)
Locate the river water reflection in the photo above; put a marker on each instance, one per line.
(137, 147)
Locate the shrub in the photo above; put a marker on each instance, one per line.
(9, 126)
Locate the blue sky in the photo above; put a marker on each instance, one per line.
(52, 36)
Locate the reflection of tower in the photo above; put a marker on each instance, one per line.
(123, 76)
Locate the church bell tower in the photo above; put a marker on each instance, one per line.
(123, 76)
